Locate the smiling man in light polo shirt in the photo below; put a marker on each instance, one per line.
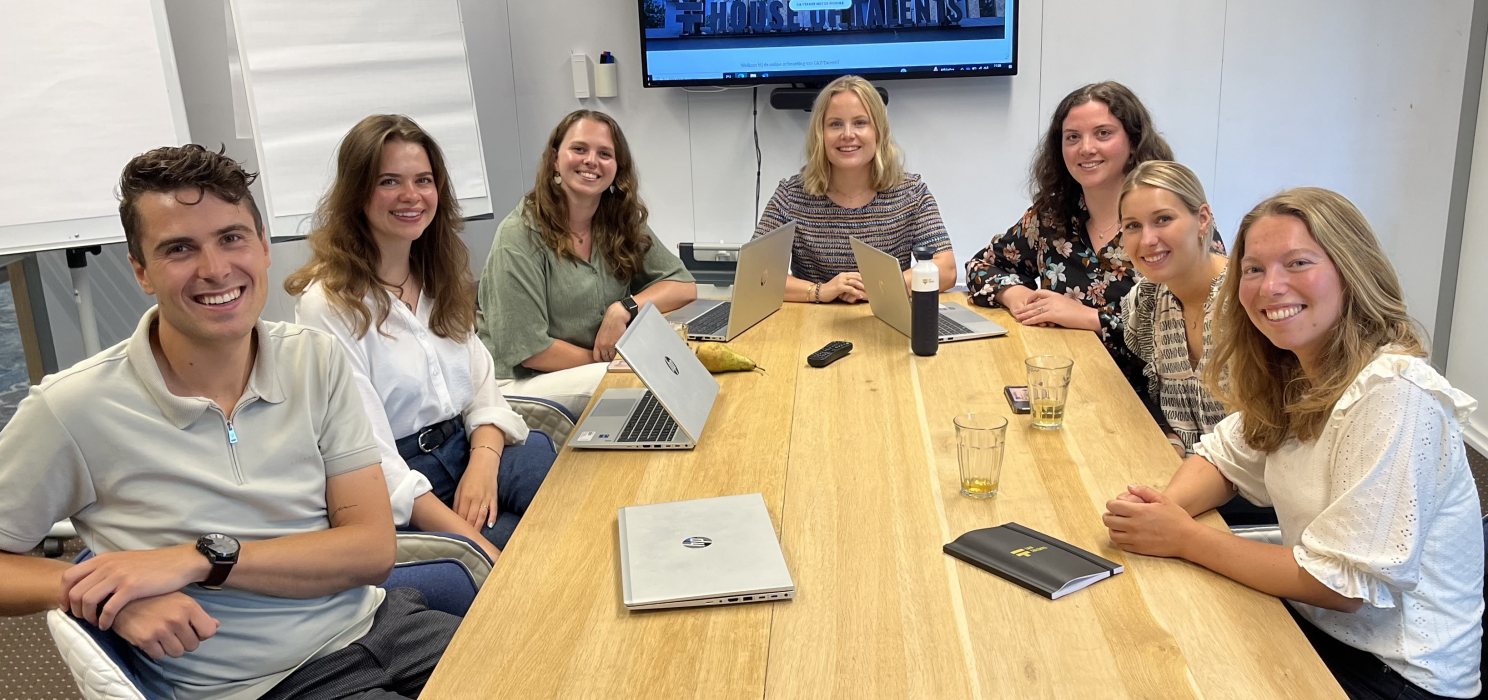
(222, 468)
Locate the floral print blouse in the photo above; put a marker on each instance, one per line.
(1039, 252)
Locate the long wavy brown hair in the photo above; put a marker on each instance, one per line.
(618, 226)
(344, 257)
(1054, 188)
(1266, 383)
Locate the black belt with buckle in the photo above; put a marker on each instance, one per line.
(430, 438)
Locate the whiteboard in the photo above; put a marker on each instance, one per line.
(87, 85)
(312, 70)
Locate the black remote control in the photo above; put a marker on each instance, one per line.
(831, 352)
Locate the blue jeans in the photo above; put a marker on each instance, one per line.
(444, 453)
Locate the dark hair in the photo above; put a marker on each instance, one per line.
(1054, 189)
(619, 223)
(171, 168)
(344, 257)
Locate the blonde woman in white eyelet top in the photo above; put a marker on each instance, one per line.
(1381, 508)
(1382, 541)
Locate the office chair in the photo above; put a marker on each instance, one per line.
(710, 263)
(546, 417)
(1269, 534)
(446, 568)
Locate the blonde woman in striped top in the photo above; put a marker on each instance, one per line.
(1167, 230)
(1166, 227)
(853, 185)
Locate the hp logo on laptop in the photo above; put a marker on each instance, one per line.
(696, 542)
(673, 367)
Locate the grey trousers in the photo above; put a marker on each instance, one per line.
(393, 660)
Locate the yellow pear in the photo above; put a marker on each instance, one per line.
(719, 357)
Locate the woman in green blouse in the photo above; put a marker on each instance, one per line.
(571, 265)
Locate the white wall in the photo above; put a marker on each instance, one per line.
(1360, 97)
(1255, 95)
(1465, 366)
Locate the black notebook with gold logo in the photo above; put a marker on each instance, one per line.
(1042, 564)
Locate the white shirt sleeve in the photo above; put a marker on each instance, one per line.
(487, 406)
(1245, 467)
(1384, 479)
(404, 484)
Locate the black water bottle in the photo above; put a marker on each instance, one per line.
(924, 337)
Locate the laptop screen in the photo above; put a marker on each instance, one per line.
(669, 369)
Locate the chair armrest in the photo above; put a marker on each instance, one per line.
(425, 546)
(445, 583)
(100, 662)
(546, 415)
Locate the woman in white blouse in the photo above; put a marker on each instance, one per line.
(1344, 428)
(389, 277)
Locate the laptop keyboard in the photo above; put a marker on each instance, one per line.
(951, 327)
(649, 422)
(711, 323)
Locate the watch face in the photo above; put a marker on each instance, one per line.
(218, 546)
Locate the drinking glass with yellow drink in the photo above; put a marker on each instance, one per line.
(1048, 387)
(979, 441)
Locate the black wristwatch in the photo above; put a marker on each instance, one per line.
(628, 302)
(222, 552)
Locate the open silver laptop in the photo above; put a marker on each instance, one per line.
(759, 289)
(710, 551)
(673, 408)
(887, 295)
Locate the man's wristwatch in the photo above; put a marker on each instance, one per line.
(221, 552)
(629, 303)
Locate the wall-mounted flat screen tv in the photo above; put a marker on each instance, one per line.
(753, 42)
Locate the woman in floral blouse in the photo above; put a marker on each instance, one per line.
(1063, 264)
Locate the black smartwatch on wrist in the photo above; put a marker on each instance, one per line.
(221, 552)
(629, 303)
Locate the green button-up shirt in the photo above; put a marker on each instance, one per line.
(529, 296)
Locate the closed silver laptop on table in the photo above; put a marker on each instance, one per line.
(889, 298)
(709, 551)
(673, 408)
(758, 291)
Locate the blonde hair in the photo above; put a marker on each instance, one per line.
(1265, 383)
(888, 162)
(1171, 177)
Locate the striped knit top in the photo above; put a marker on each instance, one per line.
(1156, 333)
(894, 221)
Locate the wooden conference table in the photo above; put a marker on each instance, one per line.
(857, 464)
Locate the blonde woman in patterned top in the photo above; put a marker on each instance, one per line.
(1166, 225)
(853, 185)
(1341, 424)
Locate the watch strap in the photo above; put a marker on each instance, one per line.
(630, 305)
(218, 575)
